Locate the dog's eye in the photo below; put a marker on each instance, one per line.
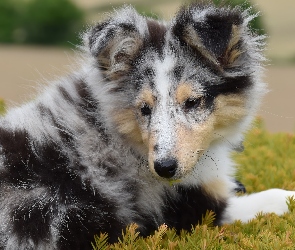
(146, 110)
(192, 103)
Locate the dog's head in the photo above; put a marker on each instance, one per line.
(180, 86)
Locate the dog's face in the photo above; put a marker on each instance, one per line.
(178, 86)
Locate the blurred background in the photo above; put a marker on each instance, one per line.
(38, 37)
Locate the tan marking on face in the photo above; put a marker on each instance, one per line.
(146, 96)
(151, 154)
(128, 126)
(191, 142)
(229, 109)
(185, 91)
(217, 188)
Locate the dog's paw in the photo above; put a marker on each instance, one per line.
(240, 188)
(245, 208)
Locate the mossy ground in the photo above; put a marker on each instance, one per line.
(267, 162)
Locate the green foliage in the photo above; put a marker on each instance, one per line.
(291, 203)
(39, 21)
(257, 23)
(100, 242)
(268, 161)
(9, 19)
(51, 21)
(208, 218)
(2, 107)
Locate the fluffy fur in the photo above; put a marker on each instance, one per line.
(142, 133)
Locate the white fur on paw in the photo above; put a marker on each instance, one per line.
(245, 208)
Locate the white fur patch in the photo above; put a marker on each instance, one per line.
(163, 124)
(245, 208)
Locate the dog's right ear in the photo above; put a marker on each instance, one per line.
(116, 41)
(217, 34)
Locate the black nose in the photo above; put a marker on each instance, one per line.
(166, 168)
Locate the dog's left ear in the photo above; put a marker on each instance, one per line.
(116, 41)
(213, 32)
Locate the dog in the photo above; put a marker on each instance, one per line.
(141, 133)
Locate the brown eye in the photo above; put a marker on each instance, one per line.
(146, 110)
(192, 103)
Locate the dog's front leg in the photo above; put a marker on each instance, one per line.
(245, 208)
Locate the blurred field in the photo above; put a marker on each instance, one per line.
(23, 68)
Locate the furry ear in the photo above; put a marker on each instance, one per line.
(213, 32)
(116, 41)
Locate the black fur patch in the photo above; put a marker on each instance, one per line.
(32, 219)
(89, 107)
(183, 18)
(178, 72)
(90, 215)
(240, 187)
(48, 166)
(17, 158)
(234, 85)
(65, 94)
(214, 29)
(188, 210)
(65, 135)
(156, 37)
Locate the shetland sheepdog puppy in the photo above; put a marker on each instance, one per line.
(141, 133)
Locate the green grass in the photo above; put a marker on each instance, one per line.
(2, 107)
(268, 161)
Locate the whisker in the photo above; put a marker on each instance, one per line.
(276, 115)
(225, 140)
